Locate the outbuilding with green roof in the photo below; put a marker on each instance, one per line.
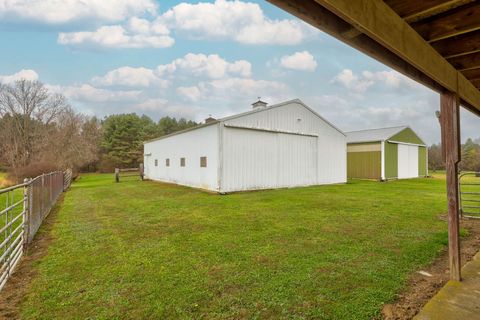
(386, 154)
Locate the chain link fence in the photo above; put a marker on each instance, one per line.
(43, 192)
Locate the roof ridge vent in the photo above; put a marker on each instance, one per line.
(259, 104)
(210, 119)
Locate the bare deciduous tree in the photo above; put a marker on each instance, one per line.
(40, 128)
(29, 108)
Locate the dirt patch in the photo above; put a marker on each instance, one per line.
(425, 283)
(17, 287)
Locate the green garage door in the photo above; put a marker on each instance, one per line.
(364, 161)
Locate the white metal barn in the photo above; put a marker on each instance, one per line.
(283, 145)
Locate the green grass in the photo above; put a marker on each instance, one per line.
(146, 250)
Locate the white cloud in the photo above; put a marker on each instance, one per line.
(240, 91)
(303, 61)
(244, 22)
(211, 66)
(195, 78)
(359, 84)
(139, 24)
(87, 93)
(139, 33)
(62, 12)
(391, 79)
(166, 107)
(181, 69)
(130, 77)
(351, 81)
(190, 93)
(26, 74)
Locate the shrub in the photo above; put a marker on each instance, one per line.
(31, 171)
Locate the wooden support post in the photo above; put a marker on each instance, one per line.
(117, 175)
(141, 171)
(450, 125)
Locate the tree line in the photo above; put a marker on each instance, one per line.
(470, 152)
(41, 132)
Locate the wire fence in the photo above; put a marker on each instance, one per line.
(469, 189)
(26, 207)
(12, 222)
(43, 192)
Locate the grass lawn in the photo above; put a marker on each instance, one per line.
(146, 250)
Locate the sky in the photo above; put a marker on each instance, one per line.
(196, 59)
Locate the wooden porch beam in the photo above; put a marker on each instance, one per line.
(450, 126)
(378, 21)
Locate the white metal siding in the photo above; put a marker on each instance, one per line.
(297, 160)
(332, 157)
(407, 161)
(330, 146)
(293, 117)
(191, 145)
(262, 160)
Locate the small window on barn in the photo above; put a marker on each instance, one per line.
(203, 162)
(156, 162)
(182, 162)
(167, 162)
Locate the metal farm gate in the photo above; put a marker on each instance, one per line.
(26, 206)
(469, 189)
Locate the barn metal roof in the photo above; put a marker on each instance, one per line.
(372, 135)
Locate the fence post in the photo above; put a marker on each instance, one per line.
(31, 207)
(26, 211)
(117, 175)
(42, 196)
(51, 188)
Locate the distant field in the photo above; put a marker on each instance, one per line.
(137, 250)
(3, 180)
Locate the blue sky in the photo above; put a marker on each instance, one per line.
(194, 59)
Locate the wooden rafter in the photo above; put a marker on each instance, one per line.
(476, 83)
(459, 45)
(454, 22)
(465, 62)
(415, 10)
(472, 74)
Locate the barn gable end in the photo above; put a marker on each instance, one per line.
(291, 116)
(407, 135)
